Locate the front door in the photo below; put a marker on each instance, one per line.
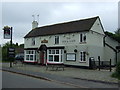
(42, 58)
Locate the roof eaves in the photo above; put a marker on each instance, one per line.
(56, 34)
(33, 33)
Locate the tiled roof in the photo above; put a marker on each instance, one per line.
(62, 28)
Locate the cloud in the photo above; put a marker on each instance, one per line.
(19, 15)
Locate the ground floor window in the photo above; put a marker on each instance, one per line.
(82, 56)
(55, 55)
(30, 55)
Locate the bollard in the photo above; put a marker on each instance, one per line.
(99, 62)
(110, 66)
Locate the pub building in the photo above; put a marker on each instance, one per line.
(70, 43)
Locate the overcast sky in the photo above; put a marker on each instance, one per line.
(19, 15)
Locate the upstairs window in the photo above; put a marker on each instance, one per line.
(82, 37)
(33, 41)
(56, 39)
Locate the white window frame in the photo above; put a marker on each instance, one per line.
(57, 39)
(30, 53)
(83, 56)
(60, 54)
(82, 37)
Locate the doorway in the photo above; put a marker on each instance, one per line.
(42, 57)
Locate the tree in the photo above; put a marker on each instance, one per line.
(21, 45)
(7, 45)
(116, 74)
(16, 44)
(115, 36)
(117, 32)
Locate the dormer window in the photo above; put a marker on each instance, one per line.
(56, 39)
(33, 41)
(82, 37)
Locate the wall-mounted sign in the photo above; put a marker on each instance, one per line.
(71, 56)
(68, 41)
(44, 41)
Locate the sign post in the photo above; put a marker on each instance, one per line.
(11, 54)
(8, 35)
(11, 46)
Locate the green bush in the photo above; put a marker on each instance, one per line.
(116, 74)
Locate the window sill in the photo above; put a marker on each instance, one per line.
(54, 62)
(82, 61)
(71, 60)
(82, 42)
(56, 44)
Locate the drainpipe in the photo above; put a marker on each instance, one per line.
(104, 40)
(116, 57)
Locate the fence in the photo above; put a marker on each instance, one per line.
(100, 64)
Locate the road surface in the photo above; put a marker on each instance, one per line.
(12, 80)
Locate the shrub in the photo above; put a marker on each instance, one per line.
(116, 74)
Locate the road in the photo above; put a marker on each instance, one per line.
(12, 80)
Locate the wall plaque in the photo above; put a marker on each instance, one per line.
(44, 41)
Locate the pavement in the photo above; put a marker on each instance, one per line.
(39, 71)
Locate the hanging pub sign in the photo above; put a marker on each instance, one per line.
(7, 32)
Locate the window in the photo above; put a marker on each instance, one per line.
(57, 51)
(55, 55)
(33, 41)
(50, 57)
(27, 57)
(56, 58)
(30, 55)
(82, 56)
(82, 37)
(56, 39)
(53, 51)
(49, 51)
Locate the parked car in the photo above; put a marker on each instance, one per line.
(19, 57)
